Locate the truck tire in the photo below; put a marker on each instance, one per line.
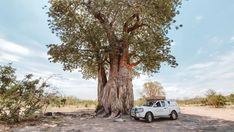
(149, 117)
(173, 115)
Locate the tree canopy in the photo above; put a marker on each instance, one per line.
(89, 30)
(153, 89)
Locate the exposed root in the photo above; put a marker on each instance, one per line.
(100, 111)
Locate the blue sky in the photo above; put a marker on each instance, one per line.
(204, 49)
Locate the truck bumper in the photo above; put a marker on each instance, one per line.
(137, 115)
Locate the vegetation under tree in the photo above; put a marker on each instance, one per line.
(112, 40)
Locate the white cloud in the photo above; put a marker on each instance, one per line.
(8, 57)
(199, 18)
(232, 38)
(201, 65)
(199, 51)
(67, 83)
(196, 79)
(11, 47)
(216, 40)
(173, 43)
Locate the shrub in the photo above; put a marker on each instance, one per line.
(139, 101)
(215, 100)
(20, 99)
(86, 105)
(58, 101)
(231, 98)
(192, 101)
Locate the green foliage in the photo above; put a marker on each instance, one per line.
(153, 89)
(139, 101)
(58, 101)
(89, 30)
(193, 101)
(215, 100)
(20, 99)
(230, 98)
(212, 99)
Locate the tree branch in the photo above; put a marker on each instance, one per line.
(135, 63)
(125, 27)
(100, 17)
(113, 20)
(128, 29)
(135, 26)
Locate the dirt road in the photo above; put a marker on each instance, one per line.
(219, 113)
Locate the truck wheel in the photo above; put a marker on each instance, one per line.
(149, 117)
(173, 115)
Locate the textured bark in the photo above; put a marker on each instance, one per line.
(117, 96)
(102, 80)
(125, 90)
(118, 92)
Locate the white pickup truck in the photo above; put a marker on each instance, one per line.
(151, 110)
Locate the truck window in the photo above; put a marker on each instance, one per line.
(158, 104)
(163, 103)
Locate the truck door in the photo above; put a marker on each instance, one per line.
(161, 108)
(165, 108)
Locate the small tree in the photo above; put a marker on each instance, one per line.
(214, 99)
(20, 99)
(153, 89)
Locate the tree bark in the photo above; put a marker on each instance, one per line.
(102, 80)
(118, 96)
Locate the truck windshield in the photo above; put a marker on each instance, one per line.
(148, 104)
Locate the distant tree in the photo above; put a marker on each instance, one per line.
(110, 40)
(210, 92)
(153, 89)
(214, 99)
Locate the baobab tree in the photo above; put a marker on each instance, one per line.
(110, 40)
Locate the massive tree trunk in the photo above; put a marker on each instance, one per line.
(117, 97)
(118, 94)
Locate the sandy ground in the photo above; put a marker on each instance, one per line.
(219, 113)
(192, 119)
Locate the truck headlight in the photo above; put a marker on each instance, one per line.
(139, 110)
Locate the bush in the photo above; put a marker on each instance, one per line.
(192, 101)
(20, 99)
(212, 99)
(215, 100)
(139, 101)
(58, 101)
(231, 98)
